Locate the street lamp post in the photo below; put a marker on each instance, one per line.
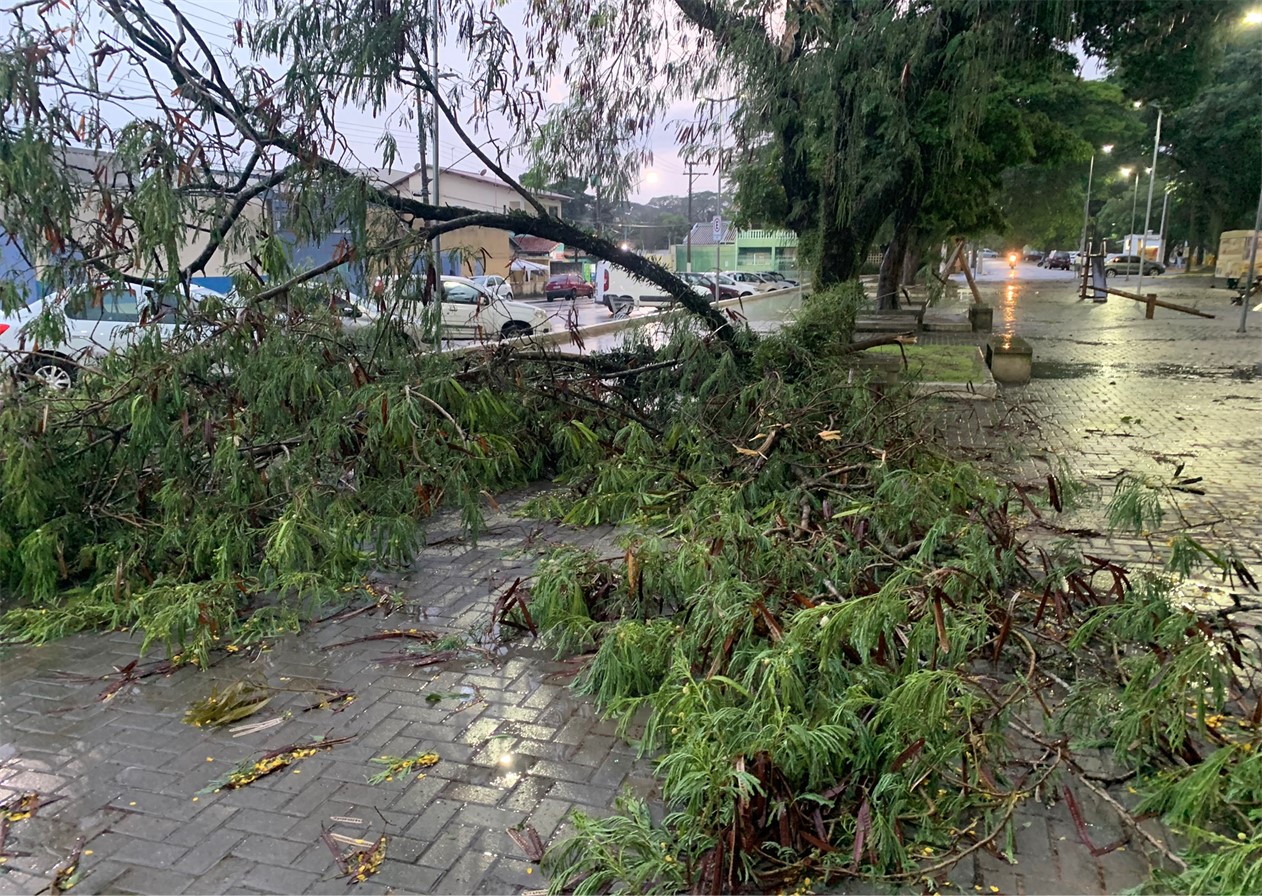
(1086, 204)
(433, 71)
(1253, 263)
(1134, 206)
(1152, 179)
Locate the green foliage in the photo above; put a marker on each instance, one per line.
(798, 618)
(181, 485)
(625, 852)
(1136, 504)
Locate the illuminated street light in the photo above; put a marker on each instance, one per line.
(1252, 17)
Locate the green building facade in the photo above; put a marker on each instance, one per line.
(740, 250)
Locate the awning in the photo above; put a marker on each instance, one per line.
(520, 264)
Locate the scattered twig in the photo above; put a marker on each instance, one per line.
(409, 635)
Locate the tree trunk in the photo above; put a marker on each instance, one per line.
(912, 261)
(892, 262)
(891, 273)
(839, 258)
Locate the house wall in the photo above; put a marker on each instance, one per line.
(477, 250)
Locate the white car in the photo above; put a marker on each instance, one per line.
(96, 321)
(495, 285)
(470, 312)
(777, 280)
(749, 279)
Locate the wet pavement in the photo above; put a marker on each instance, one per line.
(127, 777)
(1113, 393)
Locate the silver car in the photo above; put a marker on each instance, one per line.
(751, 280)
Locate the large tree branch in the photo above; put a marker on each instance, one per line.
(724, 24)
(217, 99)
(230, 217)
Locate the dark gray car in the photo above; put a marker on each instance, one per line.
(1129, 264)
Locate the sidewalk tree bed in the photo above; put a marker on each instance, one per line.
(937, 363)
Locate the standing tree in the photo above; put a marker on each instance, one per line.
(853, 117)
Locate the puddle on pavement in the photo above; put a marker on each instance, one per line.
(1060, 370)
(1189, 372)
(1068, 370)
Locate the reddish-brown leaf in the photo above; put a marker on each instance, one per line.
(862, 827)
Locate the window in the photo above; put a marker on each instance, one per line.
(460, 294)
(165, 309)
(112, 304)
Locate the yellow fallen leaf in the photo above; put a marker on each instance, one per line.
(830, 435)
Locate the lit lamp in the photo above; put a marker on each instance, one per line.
(1086, 205)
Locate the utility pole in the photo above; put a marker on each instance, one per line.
(692, 175)
(1161, 231)
(422, 150)
(433, 73)
(599, 230)
(718, 243)
(1152, 179)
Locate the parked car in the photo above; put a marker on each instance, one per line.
(96, 321)
(1056, 261)
(568, 286)
(741, 288)
(495, 285)
(750, 279)
(779, 281)
(704, 284)
(1033, 255)
(470, 312)
(1129, 264)
(987, 253)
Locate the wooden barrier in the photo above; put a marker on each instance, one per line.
(1153, 302)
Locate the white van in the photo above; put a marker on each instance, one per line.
(1231, 265)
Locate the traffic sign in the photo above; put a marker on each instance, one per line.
(718, 228)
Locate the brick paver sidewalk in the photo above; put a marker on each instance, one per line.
(1112, 392)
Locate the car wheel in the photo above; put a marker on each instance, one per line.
(52, 372)
(551, 297)
(515, 328)
(1110, 272)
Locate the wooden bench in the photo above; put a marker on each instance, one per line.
(1009, 359)
(900, 321)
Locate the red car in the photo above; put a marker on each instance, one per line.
(568, 286)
